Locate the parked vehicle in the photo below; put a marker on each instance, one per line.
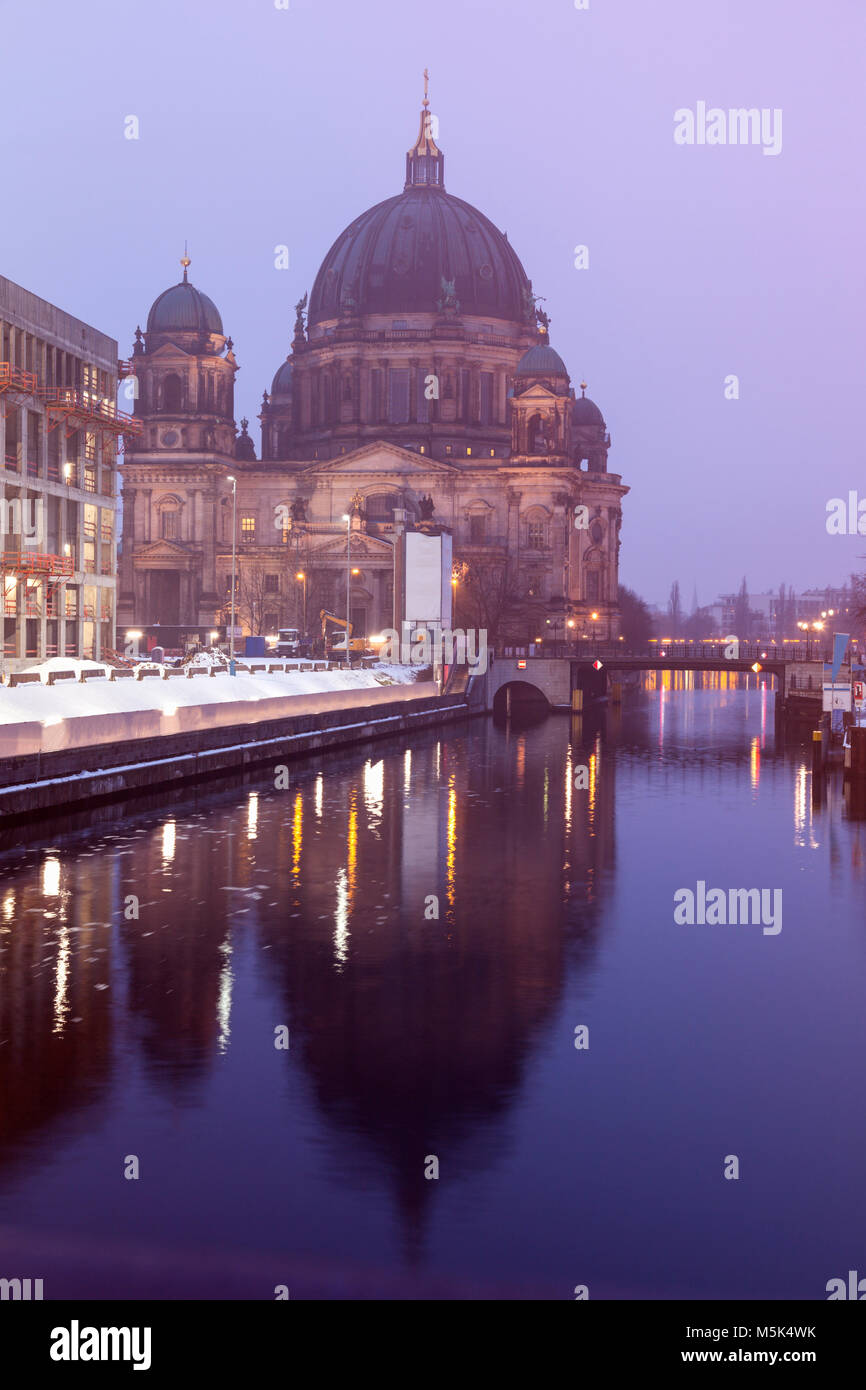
(288, 642)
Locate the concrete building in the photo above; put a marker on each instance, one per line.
(59, 433)
(420, 389)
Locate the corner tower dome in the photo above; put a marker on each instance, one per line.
(184, 309)
(394, 258)
(586, 412)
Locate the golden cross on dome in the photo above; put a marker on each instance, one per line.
(185, 261)
(426, 80)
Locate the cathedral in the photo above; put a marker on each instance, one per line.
(420, 391)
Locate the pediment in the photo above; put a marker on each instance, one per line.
(363, 547)
(162, 550)
(383, 457)
(168, 350)
(538, 392)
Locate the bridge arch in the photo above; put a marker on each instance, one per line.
(520, 694)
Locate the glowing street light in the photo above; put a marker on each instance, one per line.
(234, 483)
(301, 577)
(348, 520)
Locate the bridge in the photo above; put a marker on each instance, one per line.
(557, 669)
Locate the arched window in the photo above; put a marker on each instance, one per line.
(536, 439)
(381, 507)
(171, 394)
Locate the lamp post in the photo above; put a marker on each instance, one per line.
(302, 575)
(348, 521)
(234, 483)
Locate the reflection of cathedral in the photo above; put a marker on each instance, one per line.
(306, 907)
(420, 388)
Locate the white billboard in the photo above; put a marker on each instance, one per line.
(428, 578)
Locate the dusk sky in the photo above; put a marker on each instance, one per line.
(262, 126)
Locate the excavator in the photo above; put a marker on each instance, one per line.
(357, 645)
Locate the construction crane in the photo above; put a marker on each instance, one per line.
(327, 617)
(358, 645)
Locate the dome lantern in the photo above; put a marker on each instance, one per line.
(425, 162)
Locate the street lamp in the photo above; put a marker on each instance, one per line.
(301, 575)
(234, 483)
(348, 521)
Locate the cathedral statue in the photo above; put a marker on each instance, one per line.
(298, 509)
(448, 301)
(299, 315)
(426, 507)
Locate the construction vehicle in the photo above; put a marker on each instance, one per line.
(333, 644)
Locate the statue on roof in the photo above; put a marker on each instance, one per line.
(448, 301)
(299, 315)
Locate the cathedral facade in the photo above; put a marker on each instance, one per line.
(420, 390)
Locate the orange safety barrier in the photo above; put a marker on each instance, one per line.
(14, 379)
(36, 562)
(68, 401)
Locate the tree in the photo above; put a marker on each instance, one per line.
(699, 624)
(675, 609)
(742, 613)
(786, 613)
(635, 619)
(858, 602)
(485, 598)
(254, 599)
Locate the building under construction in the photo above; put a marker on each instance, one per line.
(60, 431)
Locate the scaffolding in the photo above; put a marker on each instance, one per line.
(13, 379)
(82, 410)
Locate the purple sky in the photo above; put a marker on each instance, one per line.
(262, 126)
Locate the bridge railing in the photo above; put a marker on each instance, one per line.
(676, 651)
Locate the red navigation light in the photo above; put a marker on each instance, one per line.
(521, 665)
(597, 665)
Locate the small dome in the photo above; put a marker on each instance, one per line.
(245, 449)
(184, 309)
(541, 360)
(282, 382)
(586, 412)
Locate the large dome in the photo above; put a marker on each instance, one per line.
(394, 257)
(184, 309)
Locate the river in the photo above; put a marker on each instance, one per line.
(317, 1030)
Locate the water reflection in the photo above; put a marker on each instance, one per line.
(424, 919)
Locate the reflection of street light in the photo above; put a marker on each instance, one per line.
(234, 483)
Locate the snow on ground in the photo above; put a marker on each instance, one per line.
(69, 699)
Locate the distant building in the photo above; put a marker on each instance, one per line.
(421, 390)
(771, 617)
(59, 430)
